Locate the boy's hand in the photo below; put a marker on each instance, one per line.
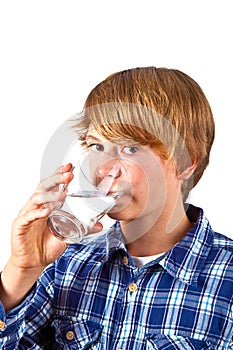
(32, 243)
(33, 246)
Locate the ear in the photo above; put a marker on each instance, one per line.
(188, 172)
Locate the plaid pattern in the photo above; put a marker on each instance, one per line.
(182, 300)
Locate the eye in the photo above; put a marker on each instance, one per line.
(96, 147)
(130, 149)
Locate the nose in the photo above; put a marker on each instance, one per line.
(109, 169)
(107, 175)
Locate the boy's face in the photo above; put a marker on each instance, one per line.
(146, 182)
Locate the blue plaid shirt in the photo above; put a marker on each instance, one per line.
(94, 297)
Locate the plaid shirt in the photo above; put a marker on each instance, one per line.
(94, 297)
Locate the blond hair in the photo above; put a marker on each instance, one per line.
(160, 107)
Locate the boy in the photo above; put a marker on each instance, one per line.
(161, 278)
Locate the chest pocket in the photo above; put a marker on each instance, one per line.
(175, 342)
(74, 334)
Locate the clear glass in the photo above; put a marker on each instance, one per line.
(85, 203)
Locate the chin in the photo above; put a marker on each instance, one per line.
(118, 216)
(126, 208)
(121, 215)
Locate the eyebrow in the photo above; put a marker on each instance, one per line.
(128, 142)
(89, 136)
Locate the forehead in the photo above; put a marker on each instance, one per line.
(93, 135)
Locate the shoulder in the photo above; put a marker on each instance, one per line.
(222, 251)
(222, 242)
(218, 246)
(220, 258)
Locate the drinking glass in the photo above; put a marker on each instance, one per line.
(86, 201)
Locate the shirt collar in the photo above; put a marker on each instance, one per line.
(114, 241)
(187, 258)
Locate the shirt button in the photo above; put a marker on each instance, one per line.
(132, 287)
(2, 324)
(125, 260)
(70, 335)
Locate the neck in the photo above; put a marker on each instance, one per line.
(144, 238)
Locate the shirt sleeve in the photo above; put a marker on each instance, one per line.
(29, 324)
(13, 325)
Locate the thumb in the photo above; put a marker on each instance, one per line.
(96, 228)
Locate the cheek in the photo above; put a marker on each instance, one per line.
(147, 193)
(149, 182)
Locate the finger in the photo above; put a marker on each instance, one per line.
(43, 196)
(26, 220)
(54, 181)
(56, 177)
(96, 228)
(64, 168)
(43, 199)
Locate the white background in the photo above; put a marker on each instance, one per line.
(52, 53)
